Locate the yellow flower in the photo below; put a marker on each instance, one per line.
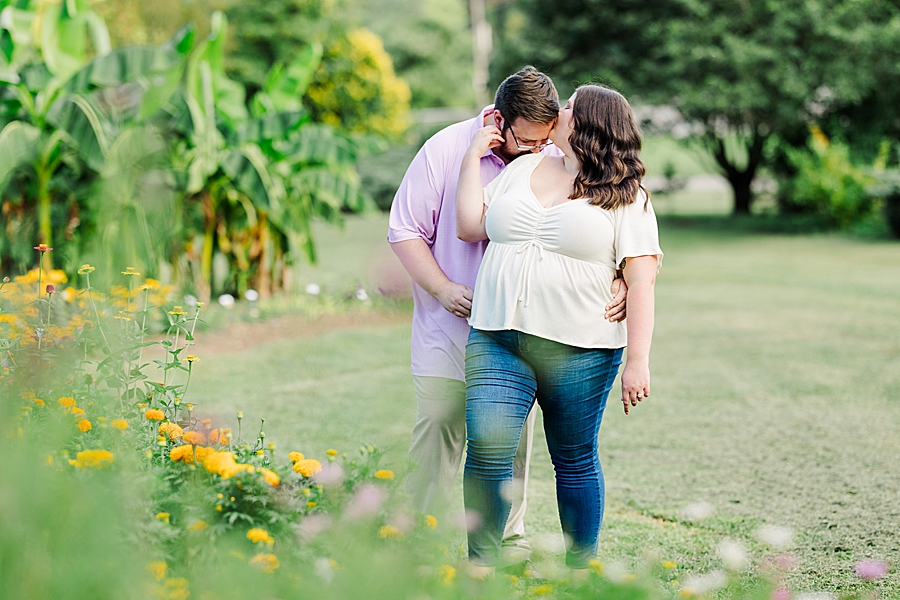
(311, 504)
(177, 311)
(447, 573)
(384, 474)
(163, 517)
(84, 425)
(86, 268)
(307, 467)
(669, 565)
(93, 459)
(595, 566)
(389, 532)
(40, 402)
(223, 464)
(172, 431)
(129, 271)
(198, 525)
(157, 569)
(154, 414)
(331, 452)
(194, 437)
(186, 453)
(78, 412)
(270, 477)
(67, 401)
(259, 535)
(431, 521)
(176, 588)
(191, 358)
(267, 562)
(295, 456)
(543, 589)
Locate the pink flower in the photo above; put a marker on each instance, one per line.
(51, 289)
(781, 594)
(870, 569)
(366, 502)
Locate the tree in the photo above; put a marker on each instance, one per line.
(742, 71)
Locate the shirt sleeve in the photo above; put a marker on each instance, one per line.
(417, 203)
(637, 233)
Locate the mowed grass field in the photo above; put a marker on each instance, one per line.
(776, 399)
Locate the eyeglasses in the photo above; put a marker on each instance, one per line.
(525, 148)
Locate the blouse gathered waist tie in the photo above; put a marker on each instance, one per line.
(548, 271)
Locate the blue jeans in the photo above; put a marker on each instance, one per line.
(505, 372)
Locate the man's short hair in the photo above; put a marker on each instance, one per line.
(528, 94)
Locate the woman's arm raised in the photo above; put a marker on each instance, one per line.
(640, 275)
(470, 207)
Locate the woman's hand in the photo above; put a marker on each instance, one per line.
(635, 383)
(485, 139)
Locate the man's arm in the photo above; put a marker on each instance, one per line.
(417, 259)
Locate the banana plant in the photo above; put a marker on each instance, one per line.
(258, 178)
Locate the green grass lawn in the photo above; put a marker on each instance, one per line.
(776, 398)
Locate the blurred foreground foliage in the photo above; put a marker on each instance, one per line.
(117, 486)
(153, 155)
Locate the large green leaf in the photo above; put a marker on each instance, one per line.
(87, 124)
(17, 147)
(248, 168)
(319, 144)
(277, 126)
(286, 84)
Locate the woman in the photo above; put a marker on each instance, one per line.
(559, 228)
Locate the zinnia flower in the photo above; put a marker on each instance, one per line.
(177, 311)
(267, 562)
(84, 425)
(307, 467)
(191, 358)
(43, 248)
(154, 414)
(384, 474)
(85, 268)
(129, 271)
(259, 535)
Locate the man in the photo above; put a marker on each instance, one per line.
(443, 268)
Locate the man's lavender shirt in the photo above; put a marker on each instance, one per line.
(425, 208)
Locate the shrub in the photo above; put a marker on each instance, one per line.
(827, 184)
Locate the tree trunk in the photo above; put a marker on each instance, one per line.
(741, 179)
(481, 51)
(44, 213)
(265, 264)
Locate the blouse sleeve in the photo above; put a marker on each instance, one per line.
(637, 233)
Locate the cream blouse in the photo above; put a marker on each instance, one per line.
(548, 271)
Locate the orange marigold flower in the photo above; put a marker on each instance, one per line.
(295, 456)
(307, 467)
(267, 562)
(214, 436)
(78, 412)
(384, 474)
(223, 464)
(67, 401)
(40, 402)
(187, 452)
(271, 477)
(171, 430)
(154, 414)
(84, 425)
(331, 452)
(120, 424)
(431, 522)
(194, 437)
(259, 535)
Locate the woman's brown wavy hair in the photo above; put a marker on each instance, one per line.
(607, 141)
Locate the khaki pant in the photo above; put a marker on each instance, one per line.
(438, 440)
